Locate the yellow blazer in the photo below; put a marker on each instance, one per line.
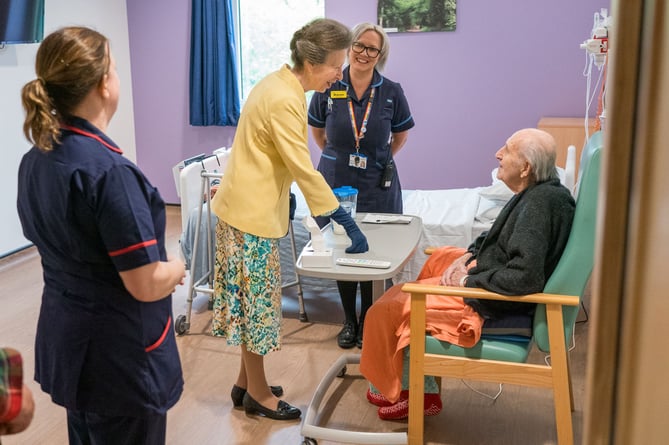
(268, 153)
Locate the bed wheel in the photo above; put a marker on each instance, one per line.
(180, 325)
(309, 441)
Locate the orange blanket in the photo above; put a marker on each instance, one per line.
(387, 325)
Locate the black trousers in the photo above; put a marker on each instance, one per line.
(348, 291)
(85, 428)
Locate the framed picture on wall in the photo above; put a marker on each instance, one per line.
(417, 15)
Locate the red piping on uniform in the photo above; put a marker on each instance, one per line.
(133, 247)
(162, 337)
(93, 136)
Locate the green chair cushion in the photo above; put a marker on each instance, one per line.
(495, 348)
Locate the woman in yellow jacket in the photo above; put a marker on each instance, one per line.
(269, 152)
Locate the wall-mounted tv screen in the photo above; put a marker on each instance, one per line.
(21, 21)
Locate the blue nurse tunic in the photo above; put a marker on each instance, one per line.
(389, 113)
(92, 213)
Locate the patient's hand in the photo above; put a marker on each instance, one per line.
(456, 271)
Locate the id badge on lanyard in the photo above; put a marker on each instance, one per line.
(357, 159)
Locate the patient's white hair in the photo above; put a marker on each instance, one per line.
(539, 148)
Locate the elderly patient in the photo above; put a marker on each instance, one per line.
(515, 257)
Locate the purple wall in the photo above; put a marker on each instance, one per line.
(508, 64)
(160, 56)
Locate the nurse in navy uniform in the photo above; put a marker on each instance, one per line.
(104, 348)
(360, 124)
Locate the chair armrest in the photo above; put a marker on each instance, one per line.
(473, 292)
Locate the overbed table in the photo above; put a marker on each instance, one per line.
(389, 242)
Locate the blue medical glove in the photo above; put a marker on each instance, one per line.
(359, 241)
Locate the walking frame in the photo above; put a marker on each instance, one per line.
(205, 282)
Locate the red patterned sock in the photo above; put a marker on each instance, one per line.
(378, 399)
(431, 407)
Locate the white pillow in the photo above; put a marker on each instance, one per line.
(493, 173)
(487, 211)
(498, 193)
(562, 174)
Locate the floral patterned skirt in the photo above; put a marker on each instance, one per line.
(247, 290)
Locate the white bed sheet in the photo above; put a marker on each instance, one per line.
(449, 219)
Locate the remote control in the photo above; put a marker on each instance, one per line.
(362, 262)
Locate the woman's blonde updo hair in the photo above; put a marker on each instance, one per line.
(70, 62)
(316, 40)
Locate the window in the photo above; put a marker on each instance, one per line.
(265, 30)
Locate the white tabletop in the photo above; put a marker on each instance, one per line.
(388, 242)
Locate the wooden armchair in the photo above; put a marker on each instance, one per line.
(498, 358)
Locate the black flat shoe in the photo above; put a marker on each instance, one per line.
(347, 335)
(283, 411)
(237, 394)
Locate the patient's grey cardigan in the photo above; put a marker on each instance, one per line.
(522, 248)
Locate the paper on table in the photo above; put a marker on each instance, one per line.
(386, 219)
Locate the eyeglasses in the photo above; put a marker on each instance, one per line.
(370, 50)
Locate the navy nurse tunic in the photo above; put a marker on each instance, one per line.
(389, 113)
(92, 213)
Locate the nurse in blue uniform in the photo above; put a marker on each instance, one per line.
(360, 124)
(104, 348)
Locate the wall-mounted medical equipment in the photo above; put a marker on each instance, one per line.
(596, 52)
(598, 44)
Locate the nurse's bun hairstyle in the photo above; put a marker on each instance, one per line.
(362, 28)
(70, 62)
(316, 40)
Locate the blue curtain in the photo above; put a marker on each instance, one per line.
(214, 87)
